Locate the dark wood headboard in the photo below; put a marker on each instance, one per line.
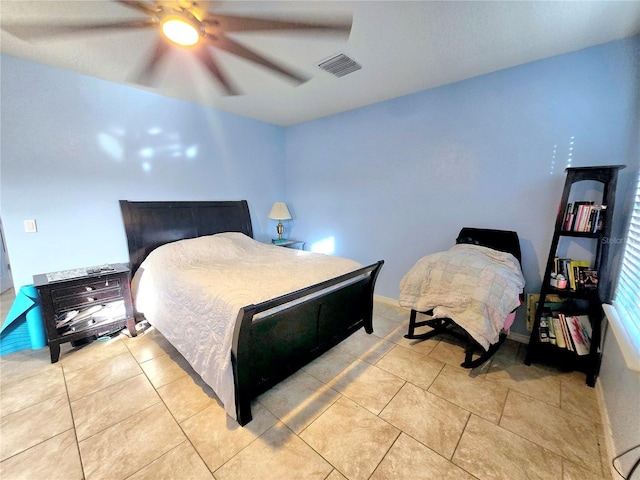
(151, 224)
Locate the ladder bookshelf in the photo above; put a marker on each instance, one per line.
(578, 219)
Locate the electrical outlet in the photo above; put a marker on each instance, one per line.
(30, 226)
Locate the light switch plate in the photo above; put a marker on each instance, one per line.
(30, 226)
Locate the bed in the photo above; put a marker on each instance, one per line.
(271, 323)
(471, 291)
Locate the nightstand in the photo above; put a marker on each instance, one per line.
(83, 304)
(297, 244)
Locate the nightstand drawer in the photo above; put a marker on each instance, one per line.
(86, 289)
(99, 296)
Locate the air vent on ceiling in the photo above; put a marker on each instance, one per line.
(340, 65)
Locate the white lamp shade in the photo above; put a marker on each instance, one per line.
(279, 211)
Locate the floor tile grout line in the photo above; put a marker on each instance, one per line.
(393, 396)
(386, 453)
(117, 423)
(107, 386)
(66, 394)
(73, 422)
(37, 444)
(187, 439)
(544, 447)
(102, 390)
(20, 379)
(158, 458)
(572, 414)
(61, 361)
(506, 397)
(142, 372)
(495, 382)
(252, 442)
(453, 454)
(299, 435)
(434, 451)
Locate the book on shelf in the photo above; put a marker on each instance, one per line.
(567, 223)
(574, 272)
(552, 330)
(561, 267)
(565, 333)
(580, 330)
(587, 279)
(544, 329)
(583, 217)
(559, 335)
(547, 328)
(596, 218)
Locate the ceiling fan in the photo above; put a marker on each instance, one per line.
(188, 25)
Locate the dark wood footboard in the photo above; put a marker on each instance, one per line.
(301, 327)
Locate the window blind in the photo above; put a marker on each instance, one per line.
(627, 294)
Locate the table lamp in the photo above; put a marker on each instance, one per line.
(280, 212)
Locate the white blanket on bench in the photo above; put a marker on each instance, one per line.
(477, 287)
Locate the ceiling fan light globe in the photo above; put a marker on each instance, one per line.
(180, 31)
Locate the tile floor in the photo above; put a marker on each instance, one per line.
(374, 407)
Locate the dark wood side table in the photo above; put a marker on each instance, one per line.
(84, 303)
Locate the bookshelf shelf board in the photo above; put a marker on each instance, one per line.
(566, 292)
(570, 233)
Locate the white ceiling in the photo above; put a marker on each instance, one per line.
(403, 47)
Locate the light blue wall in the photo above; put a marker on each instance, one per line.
(397, 180)
(73, 145)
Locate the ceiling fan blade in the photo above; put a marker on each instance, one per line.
(206, 58)
(233, 23)
(159, 52)
(235, 48)
(35, 31)
(143, 7)
(200, 8)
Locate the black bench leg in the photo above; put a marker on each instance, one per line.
(468, 358)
